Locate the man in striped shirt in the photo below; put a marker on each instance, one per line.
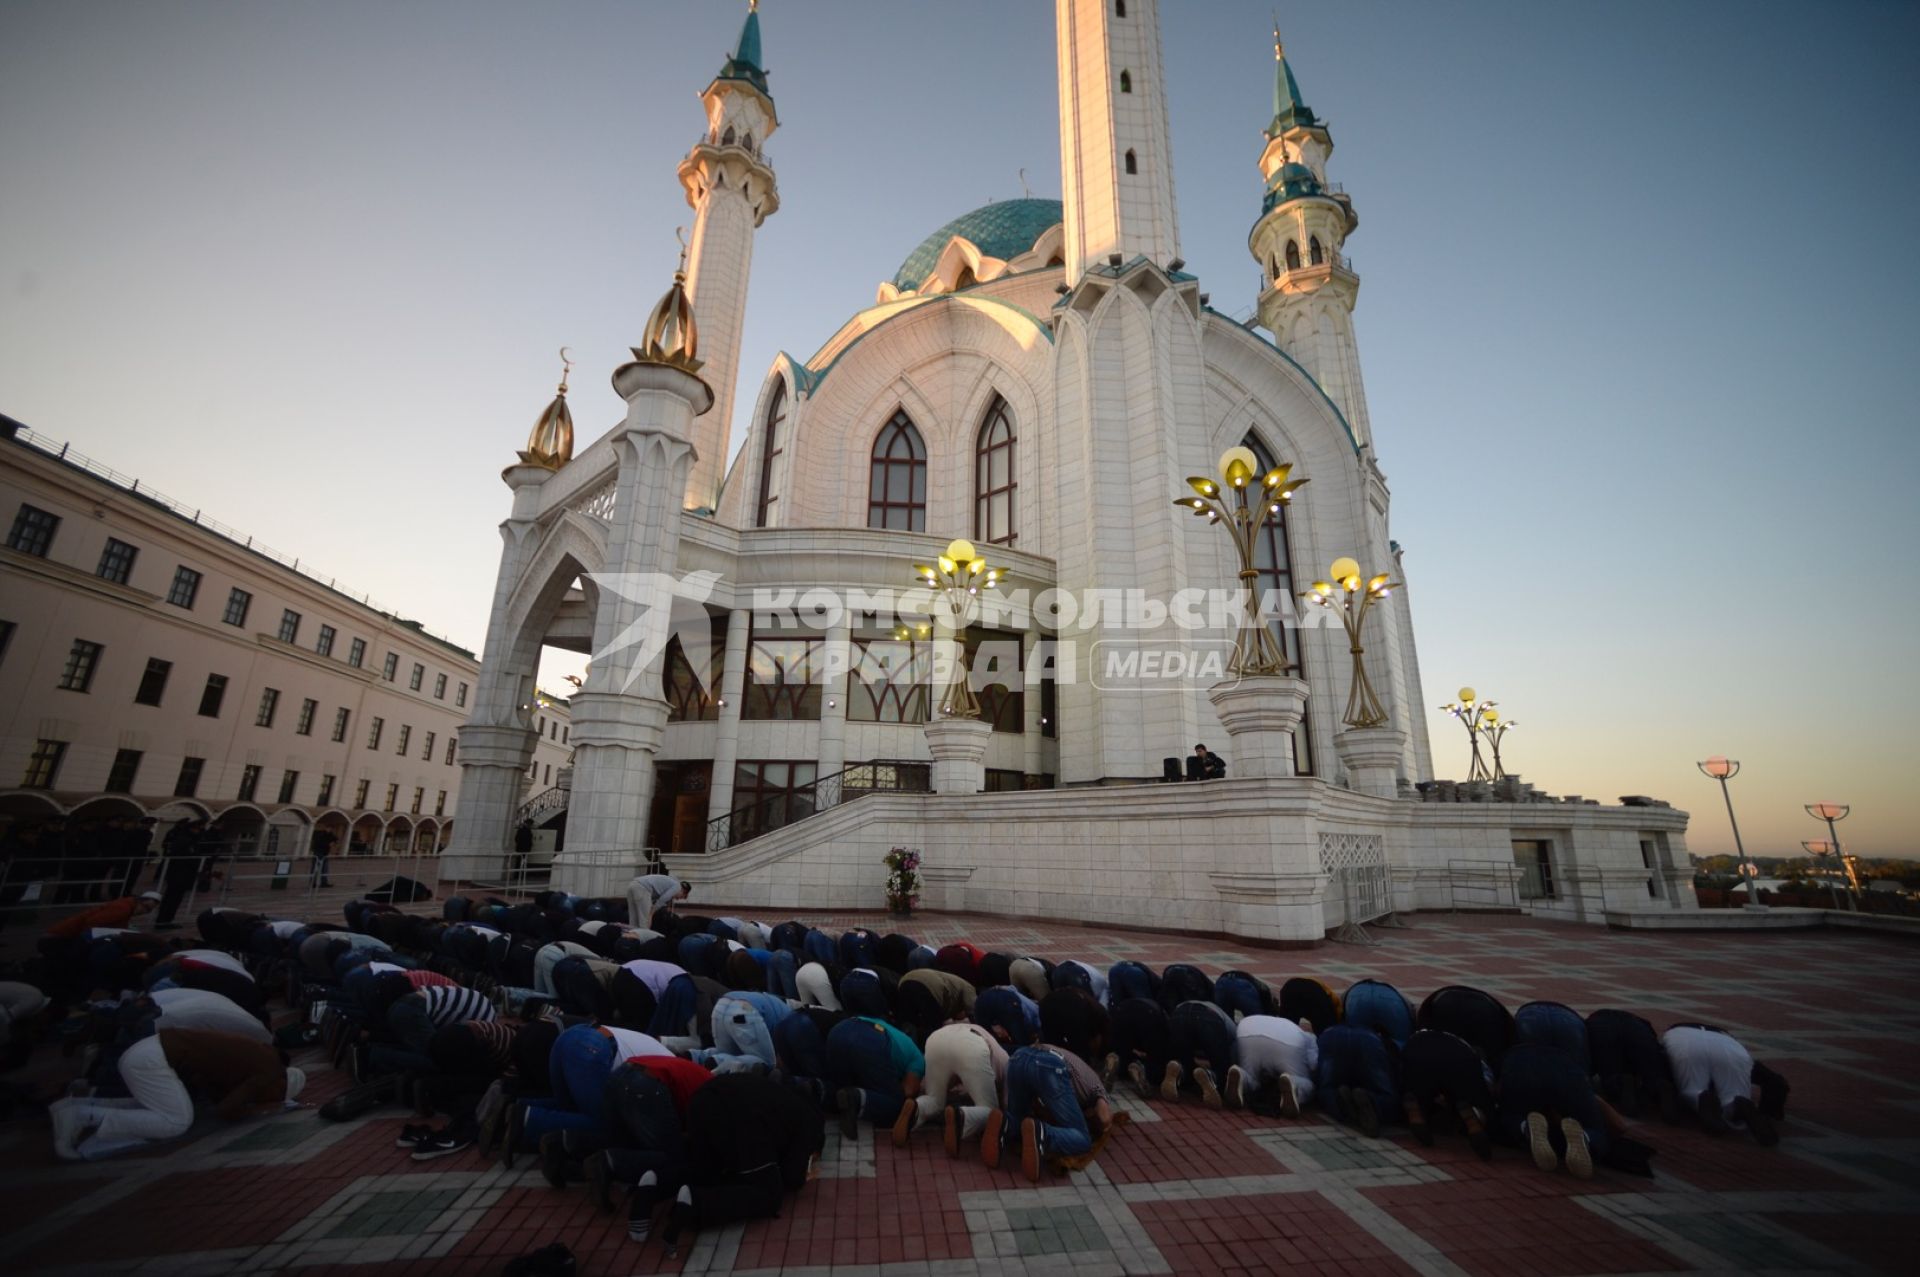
(412, 1020)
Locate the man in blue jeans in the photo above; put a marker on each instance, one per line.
(1358, 1076)
(876, 1069)
(1055, 1107)
(743, 1025)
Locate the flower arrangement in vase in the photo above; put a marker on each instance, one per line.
(903, 881)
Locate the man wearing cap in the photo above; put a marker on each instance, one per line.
(162, 1073)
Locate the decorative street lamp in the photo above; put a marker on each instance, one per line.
(1833, 813)
(959, 575)
(1724, 770)
(1495, 728)
(1349, 600)
(1472, 714)
(1821, 848)
(1257, 498)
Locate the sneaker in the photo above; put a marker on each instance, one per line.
(1137, 1074)
(1236, 1093)
(1109, 1071)
(680, 1219)
(955, 1125)
(1289, 1098)
(1475, 1125)
(445, 1144)
(1365, 1116)
(1540, 1144)
(1711, 1116)
(640, 1206)
(1170, 1084)
(1417, 1119)
(553, 1159)
(904, 1124)
(990, 1138)
(412, 1133)
(1209, 1090)
(850, 1100)
(1757, 1122)
(1032, 1149)
(1579, 1156)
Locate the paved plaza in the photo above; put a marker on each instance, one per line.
(1182, 1190)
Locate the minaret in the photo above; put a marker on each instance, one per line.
(729, 184)
(1116, 154)
(1304, 223)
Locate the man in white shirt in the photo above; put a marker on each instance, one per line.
(1271, 1051)
(1715, 1074)
(651, 892)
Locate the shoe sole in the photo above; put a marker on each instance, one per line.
(1030, 1150)
(849, 1119)
(434, 1154)
(990, 1139)
(1209, 1090)
(1289, 1098)
(1236, 1093)
(1137, 1074)
(1579, 1156)
(952, 1136)
(1170, 1084)
(1417, 1121)
(1366, 1117)
(1538, 1143)
(1110, 1071)
(903, 1124)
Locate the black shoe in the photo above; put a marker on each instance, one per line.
(1758, 1123)
(1365, 1116)
(411, 1134)
(1711, 1115)
(640, 1206)
(549, 1261)
(850, 1098)
(1474, 1123)
(1417, 1119)
(599, 1172)
(553, 1159)
(445, 1144)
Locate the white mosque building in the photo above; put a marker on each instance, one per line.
(1039, 378)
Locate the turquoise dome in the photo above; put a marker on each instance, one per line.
(1004, 230)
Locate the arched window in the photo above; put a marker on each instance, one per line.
(1293, 255)
(1126, 81)
(993, 477)
(1314, 254)
(726, 139)
(746, 139)
(897, 488)
(773, 446)
(1119, 8)
(1274, 562)
(1133, 165)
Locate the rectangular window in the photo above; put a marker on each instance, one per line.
(82, 660)
(392, 669)
(566, 734)
(373, 733)
(116, 561)
(357, 653)
(153, 683)
(439, 687)
(289, 625)
(305, 726)
(126, 765)
(549, 780)
(340, 723)
(406, 734)
(269, 703)
(187, 784)
(1534, 857)
(451, 742)
(419, 797)
(460, 696)
(325, 795)
(413, 680)
(43, 768)
(360, 793)
(249, 782)
(185, 588)
(440, 804)
(33, 530)
(540, 726)
(426, 750)
(393, 797)
(891, 681)
(238, 601)
(211, 696)
(770, 794)
(289, 781)
(780, 677)
(324, 644)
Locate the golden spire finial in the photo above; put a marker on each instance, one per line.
(671, 336)
(1279, 50)
(551, 443)
(680, 233)
(753, 6)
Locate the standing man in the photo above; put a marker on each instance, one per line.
(180, 861)
(322, 846)
(523, 847)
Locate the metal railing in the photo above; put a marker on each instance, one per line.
(712, 138)
(1366, 896)
(794, 805)
(546, 800)
(1490, 884)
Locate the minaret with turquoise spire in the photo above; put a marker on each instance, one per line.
(730, 186)
(1311, 287)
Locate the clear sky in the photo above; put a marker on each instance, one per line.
(1637, 319)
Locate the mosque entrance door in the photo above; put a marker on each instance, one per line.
(678, 821)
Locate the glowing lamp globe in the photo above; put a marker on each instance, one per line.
(1718, 767)
(1466, 696)
(1237, 466)
(960, 551)
(1828, 811)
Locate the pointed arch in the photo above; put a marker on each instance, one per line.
(1293, 254)
(773, 444)
(1126, 81)
(995, 477)
(1315, 254)
(897, 483)
(1133, 165)
(726, 139)
(1273, 560)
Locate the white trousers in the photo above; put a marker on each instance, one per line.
(956, 1053)
(160, 1108)
(816, 987)
(1267, 1059)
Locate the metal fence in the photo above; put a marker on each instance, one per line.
(1366, 896)
(1483, 884)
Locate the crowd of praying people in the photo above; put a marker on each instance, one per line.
(694, 1063)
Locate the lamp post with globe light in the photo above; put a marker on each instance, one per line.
(1821, 848)
(1472, 713)
(1724, 770)
(1832, 813)
(1257, 499)
(959, 575)
(1347, 598)
(1495, 729)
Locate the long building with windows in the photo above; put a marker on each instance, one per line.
(155, 662)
